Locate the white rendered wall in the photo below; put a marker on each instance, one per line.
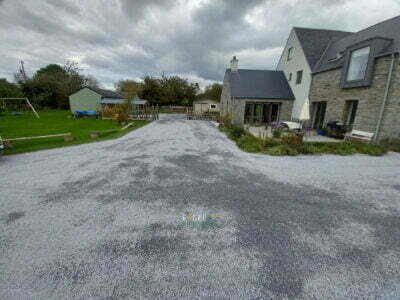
(297, 63)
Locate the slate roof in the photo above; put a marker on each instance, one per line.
(138, 101)
(315, 41)
(388, 29)
(106, 93)
(259, 84)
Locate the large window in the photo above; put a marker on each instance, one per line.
(261, 113)
(290, 53)
(299, 77)
(358, 64)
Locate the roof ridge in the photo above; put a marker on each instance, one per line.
(322, 29)
(379, 23)
(258, 70)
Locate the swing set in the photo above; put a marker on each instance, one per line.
(16, 105)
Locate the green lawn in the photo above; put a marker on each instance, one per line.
(55, 122)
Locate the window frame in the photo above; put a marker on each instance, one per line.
(376, 45)
(299, 79)
(290, 53)
(351, 60)
(250, 111)
(350, 109)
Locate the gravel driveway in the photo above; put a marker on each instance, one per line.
(112, 220)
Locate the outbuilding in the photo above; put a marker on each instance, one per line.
(93, 99)
(256, 97)
(205, 106)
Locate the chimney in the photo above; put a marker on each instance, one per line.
(234, 64)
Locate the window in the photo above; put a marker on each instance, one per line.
(358, 64)
(290, 53)
(213, 106)
(290, 77)
(299, 77)
(318, 114)
(350, 112)
(261, 113)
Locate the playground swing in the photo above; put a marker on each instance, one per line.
(17, 105)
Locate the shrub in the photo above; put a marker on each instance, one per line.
(107, 112)
(391, 144)
(277, 133)
(122, 111)
(236, 132)
(250, 143)
(293, 140)
(370, 149)
(226, 120)
(282, 150)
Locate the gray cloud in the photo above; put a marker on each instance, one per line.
(115, 39)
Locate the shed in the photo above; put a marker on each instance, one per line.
(205, 106)
(93, 99)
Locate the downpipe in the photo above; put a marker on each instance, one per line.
(378, 126)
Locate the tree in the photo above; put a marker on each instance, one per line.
(51, 86)
(129, 88)
(212, 92)
(9, 90)
(172, 90)
(151, 90)
(91, 81)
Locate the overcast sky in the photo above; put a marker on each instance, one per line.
(126, 39)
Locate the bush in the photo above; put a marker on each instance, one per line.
(236, 132)
(370, 149)
(250, 143)
(391, 144)
(226, 121)
(277, 133)
(292, 139)
(107, 112)
(282, 149)
(121, 111)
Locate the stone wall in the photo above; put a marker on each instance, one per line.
(390, 126)
(238, 108)
(225, 97)
(326, 87)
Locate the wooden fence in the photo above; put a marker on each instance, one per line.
(206, 116)
(145, 114)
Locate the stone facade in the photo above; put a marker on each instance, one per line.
(225, 97)
(326, 87)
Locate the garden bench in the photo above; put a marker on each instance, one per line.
(359, 135)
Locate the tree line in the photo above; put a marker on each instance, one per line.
(51, 86)
(165, 90)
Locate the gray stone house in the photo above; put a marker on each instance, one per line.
(357, 81)
(255, 96)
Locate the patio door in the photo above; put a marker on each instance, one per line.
(319, 110)
(261, 113)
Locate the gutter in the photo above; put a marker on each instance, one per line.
(378, 127)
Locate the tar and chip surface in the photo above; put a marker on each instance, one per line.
(109, 221)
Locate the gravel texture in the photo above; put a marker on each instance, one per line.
(107, 221)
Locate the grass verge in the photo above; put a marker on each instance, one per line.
(55, 122)
(292, 145)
